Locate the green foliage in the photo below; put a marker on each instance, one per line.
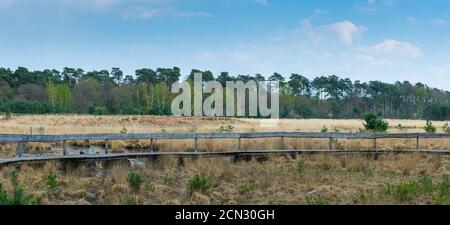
(199, 182)
(401, 127)
(429, 127)
(128, 110)
(59, 95)
(443, 192)
(374, 123)
(225, 129)
(168, 180)
(28, 107)
(446, 128)
(247, 187)
(301, 166)
(365, 195)
(437, 111)
(51, 180)
(8, 113)
(148, 92)
(98, 111)
(317, 200)
(3, 195)
(324, 129)
(404, 191)
(124, 130)
(134, 180)
(193, 129)
(424, 186)
(17, 195)
(128, 201)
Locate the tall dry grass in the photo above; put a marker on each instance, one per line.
(322, 179)
(78, 124)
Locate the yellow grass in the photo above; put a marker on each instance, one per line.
(79, 124)
(68, 124)
(278, 180)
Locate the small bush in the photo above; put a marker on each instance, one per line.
(401, 127)
(324, 129)
(317, 200)
(446, 128)
(134, 180)
(404, 191)
(193, 129)
(301, 166)
(17, 196)
(168, 180)
(225, 129)
(128, 201)
(247, 187)
(374, 123)
(200, 182)
(124, 130)
(443, 192)
(98, 111)
(51, 180)
(429, 127)
(8, 113)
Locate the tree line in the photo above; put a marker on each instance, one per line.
(147, 92)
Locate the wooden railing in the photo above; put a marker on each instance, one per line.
(21, 139)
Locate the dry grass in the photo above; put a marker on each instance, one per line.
(274, 180)
(78, 124)
(64, 124)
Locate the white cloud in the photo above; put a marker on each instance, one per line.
(315, 50)
(347, 31)
(411, 19)
(192, 14)
(142, 12)
(262, 2)
(371, 6)
(391, 47)
(206, 55)
(438, 22)
(240, 55)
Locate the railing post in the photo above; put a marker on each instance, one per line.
(374, 144)
(331, 143)
(239, 144)
(417, 142)
(282, 142)
(64, 147)
(151, 145)
(106, 146)
(196, 143)
(20, 150)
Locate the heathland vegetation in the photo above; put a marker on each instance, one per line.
(147, 92)
(307, 179)
(303, 179)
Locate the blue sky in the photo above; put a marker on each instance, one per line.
(364, 40)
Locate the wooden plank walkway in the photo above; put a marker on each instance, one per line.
(117, 156)
(69, 137)
(23, 139)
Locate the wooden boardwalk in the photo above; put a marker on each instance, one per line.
(118, 156)
(22, 139)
